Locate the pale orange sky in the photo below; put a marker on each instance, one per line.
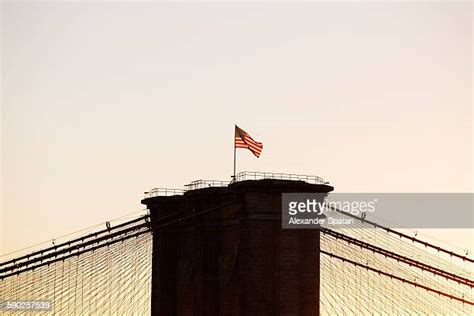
(102, 101)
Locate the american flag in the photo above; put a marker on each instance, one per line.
(243, 140)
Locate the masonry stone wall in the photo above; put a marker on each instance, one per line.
(222, 251)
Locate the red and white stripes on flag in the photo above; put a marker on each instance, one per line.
(243, 140)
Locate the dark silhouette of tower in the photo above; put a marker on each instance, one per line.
(222, 251)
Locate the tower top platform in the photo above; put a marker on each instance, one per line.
(248, 179)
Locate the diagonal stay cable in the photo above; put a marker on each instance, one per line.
(402, 235)
(380, 272)
(400, 258)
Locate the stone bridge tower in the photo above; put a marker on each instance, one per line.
(222, 251)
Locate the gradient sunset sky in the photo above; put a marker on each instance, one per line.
(103, 101)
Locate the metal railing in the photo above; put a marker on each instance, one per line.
(241, 176)
(250, 175)
(201, 184)
(163, 192)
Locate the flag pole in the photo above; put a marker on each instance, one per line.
(235, 153)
